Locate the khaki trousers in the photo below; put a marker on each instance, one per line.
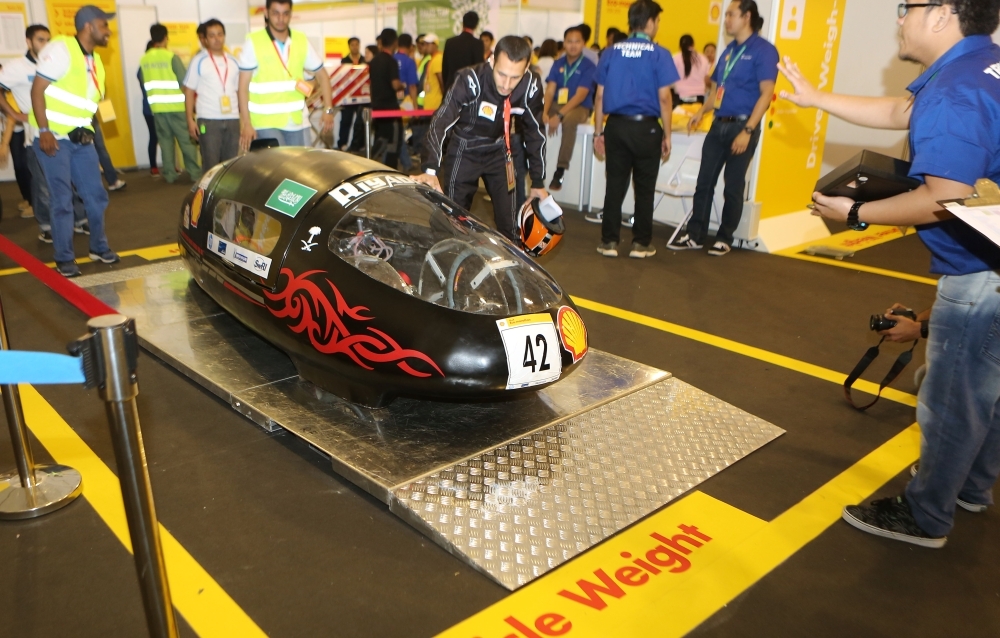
(573, 119)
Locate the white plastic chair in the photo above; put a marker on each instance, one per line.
(682, 185)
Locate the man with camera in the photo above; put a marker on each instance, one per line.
(953, 116)
(68, 85)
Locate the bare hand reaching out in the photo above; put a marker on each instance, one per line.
(805, 94)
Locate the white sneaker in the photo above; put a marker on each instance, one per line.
(641, 252)
(117, 186)
(719, 248)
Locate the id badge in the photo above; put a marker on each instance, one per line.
(719, 95)
(511, 179)
(304, 88)
(106, 110)
(562, 97)
(225, 105)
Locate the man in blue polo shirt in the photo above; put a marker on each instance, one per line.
(742, 88)
(633, 89)
(954, 121)
(569, 98)
(409, 80)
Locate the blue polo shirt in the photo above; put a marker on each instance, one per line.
(632, 73)
(407, 69)
(955, 135)
(757, 63)
(583, 75)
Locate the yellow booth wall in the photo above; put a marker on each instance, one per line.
(794, 138)
(117, 133)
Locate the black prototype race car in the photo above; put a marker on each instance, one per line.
(374, 285)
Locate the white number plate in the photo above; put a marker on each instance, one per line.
(533, 354)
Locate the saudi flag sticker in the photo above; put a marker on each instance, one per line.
(289, 197)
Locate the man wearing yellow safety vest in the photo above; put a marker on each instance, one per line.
(274, 65)
(162, 74)
(68, 85)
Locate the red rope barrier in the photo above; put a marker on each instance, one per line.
(87, 303)
(383, 114)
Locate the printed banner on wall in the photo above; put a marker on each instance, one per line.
(444, 17)
(118, 133)
(792, 153)
(183, 40)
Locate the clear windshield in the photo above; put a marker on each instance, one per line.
(414, 240)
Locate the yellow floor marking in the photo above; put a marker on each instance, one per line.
(742, 550)
(150, 253)
(750, 351)
(868, 269)
(197, 596)
(852, 240)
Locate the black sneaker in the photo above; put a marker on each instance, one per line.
(82, 229)
(45, 236)
(684, 242)
(110, 257)
(557, 180)
(594, 218)
(891, 518)
(975, 508)
(629, 221)
(68, 269)
(608, 249)
(641, 252)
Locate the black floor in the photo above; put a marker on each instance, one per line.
(305, 553)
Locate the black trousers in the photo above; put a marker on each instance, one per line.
(350, 116)
(19, 158)
(716, 155)
(387, 133)
(468, 160)
(153, 141)
(633, 151)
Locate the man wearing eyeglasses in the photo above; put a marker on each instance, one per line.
(953, 115)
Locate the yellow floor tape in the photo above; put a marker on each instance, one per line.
(209, 610)
(868, 269)
(150, 253)
(750, 351)
(671, 571)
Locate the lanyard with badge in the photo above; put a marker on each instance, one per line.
(567, 72)
(511, 179)
(225, 104)
(104, 106)
(301, 86)
(730, 64)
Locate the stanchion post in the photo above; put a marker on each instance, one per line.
(110, 354)
(368, 132)
(32, 490)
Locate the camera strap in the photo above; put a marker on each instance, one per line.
(901, 362)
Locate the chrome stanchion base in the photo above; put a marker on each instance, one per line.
(55, 487)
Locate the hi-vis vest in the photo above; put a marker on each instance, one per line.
(67, 102)
(273, 99)
(163, 92)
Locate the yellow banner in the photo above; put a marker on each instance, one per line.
(794, 138)
(697, 18)
(336, 46)
(183, 40)
(118, 133)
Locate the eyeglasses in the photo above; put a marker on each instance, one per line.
(904, 8)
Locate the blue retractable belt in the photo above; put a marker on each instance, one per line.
(39, 368)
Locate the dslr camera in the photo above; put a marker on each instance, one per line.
(879, 322)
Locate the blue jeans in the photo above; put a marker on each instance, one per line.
(74, 166)
(285, 138)
(110, 174)
(717, 154)
(40, 195)
(959, 402)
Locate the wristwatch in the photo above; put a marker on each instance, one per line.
(44, 129)
(329, 111)
(749, 130)
(852, 217)
(560, 116)
(924, 328)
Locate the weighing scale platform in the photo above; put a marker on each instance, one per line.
(515, 487)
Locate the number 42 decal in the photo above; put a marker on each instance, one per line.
(529, 353)
(532, 347)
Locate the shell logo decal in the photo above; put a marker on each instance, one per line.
(572, 332)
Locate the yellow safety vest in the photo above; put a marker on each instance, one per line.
(67, 105)
(163, 92)
(273, 100)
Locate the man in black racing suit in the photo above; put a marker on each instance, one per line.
(474, 113)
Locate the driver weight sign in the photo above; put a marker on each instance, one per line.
(532, 346)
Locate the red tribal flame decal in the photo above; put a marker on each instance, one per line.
(305, 301)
